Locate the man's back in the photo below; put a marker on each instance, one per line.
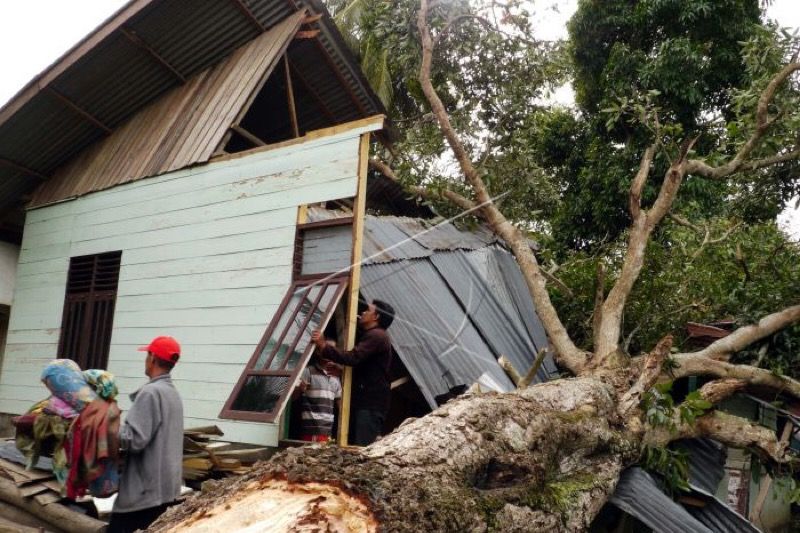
(152, 437)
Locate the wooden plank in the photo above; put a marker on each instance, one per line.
(72, 106)
(246, 97)
(363, 125)
(290, 96)
(29, 475)
(248, 136)
(258, 433)
(46, 498)
(217, 182)
(32, 489)
(359, 211)
(253, 163)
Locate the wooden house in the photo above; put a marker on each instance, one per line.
(165, 164)
(199, 169)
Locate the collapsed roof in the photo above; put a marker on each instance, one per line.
(460, 300)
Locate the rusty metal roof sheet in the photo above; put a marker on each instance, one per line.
(140, 53)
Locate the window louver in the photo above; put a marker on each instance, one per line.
(89, 309)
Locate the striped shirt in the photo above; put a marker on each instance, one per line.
(316, 404)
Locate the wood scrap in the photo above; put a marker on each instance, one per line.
(46, 498)
(24, 518)
(55, 514)
(29, 490)
(7, 526)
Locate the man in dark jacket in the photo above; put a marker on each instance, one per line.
(152, 439)
(371, 360)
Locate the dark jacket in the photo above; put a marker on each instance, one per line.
(371, 359)
(152, 436)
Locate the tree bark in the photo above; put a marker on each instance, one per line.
(543, 459)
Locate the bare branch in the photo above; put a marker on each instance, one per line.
(692, 365)
(720, 389)
(512, 372)
(705, 231)
(566, 352)
(635, 196)
(462, 202)
(744, 336)
(681, 221)
(738, 432)
(763, 123)
(608, 335)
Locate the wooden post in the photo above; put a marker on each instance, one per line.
(763, 491)
(359, 210)
(290, 96)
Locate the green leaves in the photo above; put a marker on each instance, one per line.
(658, 406)
(671, 465)
(693, 406)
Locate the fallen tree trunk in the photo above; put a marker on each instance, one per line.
(544, 459)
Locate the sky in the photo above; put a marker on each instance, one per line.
(35, 33)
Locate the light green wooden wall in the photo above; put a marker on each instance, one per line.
(206, 258)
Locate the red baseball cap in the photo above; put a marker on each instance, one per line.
(163, 347)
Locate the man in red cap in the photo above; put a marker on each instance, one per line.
(152, 439)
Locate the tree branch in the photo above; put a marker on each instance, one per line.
(692, 365)
(635, 196)
(566, 352)
(452, 196)
(740, 433)
(763, 123)
(744, 336)
(720, 389)
(607, 338)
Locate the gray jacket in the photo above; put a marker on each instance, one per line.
(152, 436)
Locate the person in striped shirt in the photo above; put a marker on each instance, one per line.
(321, 389)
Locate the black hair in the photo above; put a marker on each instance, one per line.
(162, 363)
(385, 313)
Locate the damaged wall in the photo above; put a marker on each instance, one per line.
(206, 257)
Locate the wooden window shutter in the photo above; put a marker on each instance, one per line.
(89, 309)
(269, 378)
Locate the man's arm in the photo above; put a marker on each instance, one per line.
(140, 424)
(369, 344)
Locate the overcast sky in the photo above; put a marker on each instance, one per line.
(35, 33)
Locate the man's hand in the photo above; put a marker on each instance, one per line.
(318, 339)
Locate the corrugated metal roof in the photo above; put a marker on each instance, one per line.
(706, 463)
(398, 238)
(431, 334)
(115, 71)
(640, 495)
(497, 321)
(461, 302)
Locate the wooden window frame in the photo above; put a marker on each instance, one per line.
(293, 375)
(85, 335)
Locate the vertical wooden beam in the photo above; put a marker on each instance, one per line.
(290, 96)
(359, 211)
